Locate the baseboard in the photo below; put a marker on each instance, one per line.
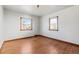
(19, 38)
(1, 43)
(46, 37)
(61, 40)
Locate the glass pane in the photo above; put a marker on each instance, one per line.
(26, 24)
(53, 24)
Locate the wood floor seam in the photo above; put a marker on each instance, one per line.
(38, 45)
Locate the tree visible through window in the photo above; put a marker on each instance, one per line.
(25, 23)
(53, 23)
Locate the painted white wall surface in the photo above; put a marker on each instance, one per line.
(68, 24)
(12, 25)
(1, 26)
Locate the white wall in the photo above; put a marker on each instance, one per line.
(12, 25)
(1, 26)
(68, 24)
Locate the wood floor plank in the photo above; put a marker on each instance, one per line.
(38, 45)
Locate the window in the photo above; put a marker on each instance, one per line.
(25, 23)
(53, 23)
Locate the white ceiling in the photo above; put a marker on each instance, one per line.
(33, 10)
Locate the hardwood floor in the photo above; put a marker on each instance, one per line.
(38, 45)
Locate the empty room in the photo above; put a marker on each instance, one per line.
(39, 29)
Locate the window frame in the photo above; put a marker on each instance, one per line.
(21, 29)
(56, 24)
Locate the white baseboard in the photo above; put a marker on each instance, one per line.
(18, 37)
(1, 42)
